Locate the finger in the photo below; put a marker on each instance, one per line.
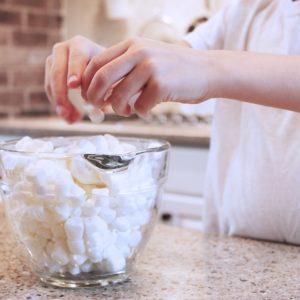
(78, 60)
(108, 75)
(58, 83)
(47, 86)
(99, 61)
(150, 96)
(123, 93)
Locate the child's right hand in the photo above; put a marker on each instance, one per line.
(64, 70)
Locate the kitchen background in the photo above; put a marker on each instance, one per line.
(28, 30)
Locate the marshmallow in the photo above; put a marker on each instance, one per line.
(122, 223)
(86, 267)
(74, 228)
(107, 214)
(78, 259)
(101, 197)
(74, 270)
(89, 209)
(62, 212)
(134, 238)
(83, 172)
(34, 145)
(113, 144)
(95, 255)
(76, 246)
(115, 261)
(100, 142)
(94, 224)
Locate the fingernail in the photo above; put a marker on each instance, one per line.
(72, 79)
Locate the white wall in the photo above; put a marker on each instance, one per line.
(89, 18)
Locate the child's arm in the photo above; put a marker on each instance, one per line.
(271, 80)
(163, 72)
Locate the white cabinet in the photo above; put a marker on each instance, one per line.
(181, 204)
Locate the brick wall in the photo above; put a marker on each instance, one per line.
(28, 29)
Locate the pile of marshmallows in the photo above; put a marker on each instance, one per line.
(70, 216)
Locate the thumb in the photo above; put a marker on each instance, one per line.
(78, 60)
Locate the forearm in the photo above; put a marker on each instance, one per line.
(271, 80)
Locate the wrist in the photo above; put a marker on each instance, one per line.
(215, 69)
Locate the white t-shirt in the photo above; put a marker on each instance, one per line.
(253, 176)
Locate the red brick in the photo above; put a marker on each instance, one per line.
(38, 102)
(3, 78)
(28, 78)
(43, 20)
(22, 38)
(9, 17)
(3, 37)
(11, 98)
(55, 4)
(52, 39)
(38, 97)
(30, 3)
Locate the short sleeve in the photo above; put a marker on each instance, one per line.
(212, 34)
(209, 35)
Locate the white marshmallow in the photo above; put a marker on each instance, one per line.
(134, 238)
(127, 205)
(115, 261)
(83, 146)
(34, 145)
(76, 246)
(94, 224)
(96, 240)
(83, 172)
(101, 145)
(74, 228)
(78, 259)
(107, 214)
(113, 144)
(89, 209)
(123, 247)
(86, 267)
(101, 197)
(95, 255)
(121, 223)
(62, 212)
(74, 270)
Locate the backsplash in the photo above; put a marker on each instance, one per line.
(28, 29)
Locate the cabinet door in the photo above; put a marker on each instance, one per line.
(187, 170)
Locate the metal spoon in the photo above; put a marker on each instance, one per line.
(118, 161)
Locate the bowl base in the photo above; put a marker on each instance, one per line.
(95, 281)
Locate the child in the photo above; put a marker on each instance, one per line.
(249, 52)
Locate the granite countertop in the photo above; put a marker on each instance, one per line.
(183, 134)
(177, 264)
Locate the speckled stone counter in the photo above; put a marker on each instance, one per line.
(177, 264)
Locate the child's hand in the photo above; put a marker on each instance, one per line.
(153, 70)
(64, 70)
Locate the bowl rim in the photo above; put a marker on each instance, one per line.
(163, 146)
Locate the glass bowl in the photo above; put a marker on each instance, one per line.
(81, 226)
